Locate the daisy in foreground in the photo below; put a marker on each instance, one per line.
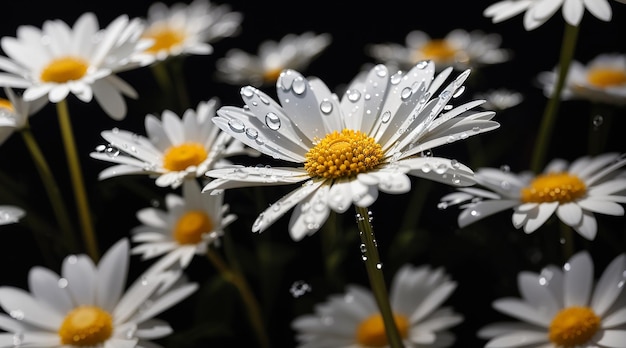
(352, 320)
(14, 113)
(574, 192)
(86, 305)
(174, 149)
(188, 29)
(10, 214)
(603, 79)
(191, 224)
(562, 308)
(81, 60)
(291, 52)
(459, 48)
(348, 149)
(539, 11)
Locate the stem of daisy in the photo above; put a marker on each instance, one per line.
(568, 46)
(52, 189)
(159, 69)
(567, 241)
(232, 275)
(78, 185)
(375, 275)
(179, 83)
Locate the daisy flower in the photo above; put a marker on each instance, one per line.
(500, 99)
(10, 214)
(82, 60)
(352, 320)
(574, 192)
(188, 29)
(346, 150)
(603, 79)
(14, 113)
(538, 12)
(459, 48)
(291, 52)
(191, 223)
(564, 308)
(86, 305)
(174, 149)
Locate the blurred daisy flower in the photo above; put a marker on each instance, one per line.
(174, 149)
(81, 60)
(191, 223)
(15, 111)
(86, 305)
(574, 192)
(291, 52)
(538, 12)
(10, 214)
(500, 99)
(347, 150)
(352, 320)
(188, 28)
(563, 308)
(459, 48)
(603, 79)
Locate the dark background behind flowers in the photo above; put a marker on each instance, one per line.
(483, 258)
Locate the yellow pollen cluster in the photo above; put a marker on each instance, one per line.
(165, 39)
(86, 326)
(343, 154)
(573, 327)
(180, 157)
(64, 69)
(437, 50)
(554, 187)
(606, 77)
(191, 226)
(6, 105)
(371, 331)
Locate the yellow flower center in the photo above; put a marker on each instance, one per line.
(573, 327)
(86, 326)
(371, 331)
(180, 157)
(554, 187)
(165, 38)
(343, 154)
(606, 77)
(6, 105)
(191, 226)
(64, 69)
(437, 50)
(271, 75)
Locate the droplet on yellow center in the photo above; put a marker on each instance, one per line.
(554, 187)
(371, 331)
(271, 75)
(438, 49)
(64, 69)
(180, 157)
(606, 77)
(86, 326)
(573, 327)
(6, 105)
(191, 226)
(343, 154)
(165, 39)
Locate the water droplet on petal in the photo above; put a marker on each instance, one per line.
(298, 85)
(353, 95)
(236, 126)
(597, 121)
(62, 283)
(326, 106)
(406, 93)
(299, 288)
(272, 121)
(252, 133)
(386, 116)
(247, 92)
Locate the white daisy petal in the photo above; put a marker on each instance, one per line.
(517, 339)
(80, 272)
(615, 319)
(48, 287)
(112, 271)
(483, 209)
(612, 338)
(110, 99)
(340, 196)
(21, 305)
(310, 214)
(599, 9)
(570, 213)
(544, 212)
(521, 310)
(153, 329)
(533, 291)
(578, 279)
(167, 300)
(573, 11)
(608, 287)
(588, 227)
(603, 207)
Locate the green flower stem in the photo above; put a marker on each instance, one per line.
(375, 274)
(159, 69)
(52, 189)
(78, 184)
(567, 241)
(551, 111)
(231, 275)
(179, 82)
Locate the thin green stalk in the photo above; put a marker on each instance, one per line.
(162, 76)
(179, 82)
(80, 194)
(232, 275)
(567, 241)
(52, 189)
(375, 275)
(551, 111)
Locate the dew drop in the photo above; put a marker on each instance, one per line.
(272, 121)
(475, 213)
(381, 71)
(426, 168)
(252, 133)
(505, 168)
(299, 288)
(17, 314)
(353, 95)
(597, 121)
(379, 265)
(18, 338)
(112, 151)
(442, 205)
(396, 78)
(62, 283)
(458, 92)
(386, 116)
(455, 164)
(363, 248)
(326, 107)
(422, 64)
(298, 85)
(247, 92)
(236, 126)
(101, 148)
(406, 93)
